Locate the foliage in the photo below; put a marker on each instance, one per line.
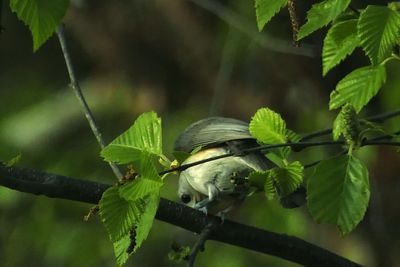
(143, 137)
(375, 28)
(127, 211)
(338, 192)
(340, 41)
(41, 16)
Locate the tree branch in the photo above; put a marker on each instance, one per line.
(199, 245)
(380, 118)
(280, 245)
(78, 92)
(298, 146)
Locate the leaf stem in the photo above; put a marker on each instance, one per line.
(78, 93)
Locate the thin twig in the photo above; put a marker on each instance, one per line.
(294, 21)
(199, 245)
(376, 118)
(297, 147)
(248, 28)
(279, 245)
(78, 92)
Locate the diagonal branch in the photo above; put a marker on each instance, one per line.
(79, 95)
(282, 246)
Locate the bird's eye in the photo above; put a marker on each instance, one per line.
(185, 198)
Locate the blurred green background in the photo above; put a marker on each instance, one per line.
(186, 62)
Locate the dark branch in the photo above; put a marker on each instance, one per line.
(79, 95)
(283, 246)
(377, 118)
(295, 146)
(199, 245)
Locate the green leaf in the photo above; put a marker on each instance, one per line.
(378, 29)
(41, 16)
(121, 249)
(288, 178)
(266, 9)
(263, 181)
(338, 192)
(340, 41)
(321, 14)
(358, 87)
(284, 152)
(149, 182)
(146, 221)
(143, 137)
(268, 127)
(118, 215)
(127, 222)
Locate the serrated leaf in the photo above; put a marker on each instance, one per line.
(146, 221)
(321, 14)
(340, 41)
(41, 16)
(263, 181)
(268, 127)
(338, 192)
(289, 178)
(266, 9)
(127, 229)
(284, 152)
(148, 183)
(379, 30)
(143, 137)
(358, 87)
(118, 215)
(121, 249)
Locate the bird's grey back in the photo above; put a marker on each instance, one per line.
(212, 131)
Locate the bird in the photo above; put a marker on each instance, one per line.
(220, 185)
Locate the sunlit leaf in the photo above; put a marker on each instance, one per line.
(268, 127)
(118, 215)
(143, 137)
(266, 9)
(121, 249)
(338, 192)
(379, 30)
(340, 41)
(263, 181)
(358, 87)
(321, 14)
(146, 221)
(148, 182)
(289, 178)
(41, 16)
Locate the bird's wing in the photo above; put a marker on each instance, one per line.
(211, 132)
